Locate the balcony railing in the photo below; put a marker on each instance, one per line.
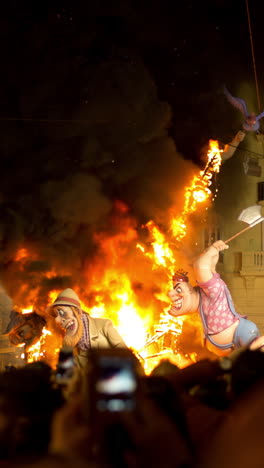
(252, 263)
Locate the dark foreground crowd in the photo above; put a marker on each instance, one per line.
(209, 414)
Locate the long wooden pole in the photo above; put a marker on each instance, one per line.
(245, 229)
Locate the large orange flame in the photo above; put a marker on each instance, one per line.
(118, 279)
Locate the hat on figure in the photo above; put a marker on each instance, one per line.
(68, 297)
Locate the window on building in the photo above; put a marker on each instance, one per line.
(260, 191)
(211, 234)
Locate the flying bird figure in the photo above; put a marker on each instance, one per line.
(251, 122)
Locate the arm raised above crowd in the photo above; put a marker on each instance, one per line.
(231, 147)
(205, 263)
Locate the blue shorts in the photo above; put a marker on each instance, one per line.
(245, 333)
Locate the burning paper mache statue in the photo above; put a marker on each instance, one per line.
(24, 329)
(251, 120)
(224, 329)
(81, 331)
(29, 330)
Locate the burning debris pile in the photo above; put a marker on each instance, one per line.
(27, 329)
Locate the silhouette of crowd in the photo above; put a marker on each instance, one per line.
(208, 414)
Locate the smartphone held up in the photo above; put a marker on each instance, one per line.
(113, 380)
(65, 367)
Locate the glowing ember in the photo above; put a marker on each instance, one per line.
(21, 254)
(36, 351)
(28, 310)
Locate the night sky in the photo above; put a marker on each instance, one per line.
(110, 101)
